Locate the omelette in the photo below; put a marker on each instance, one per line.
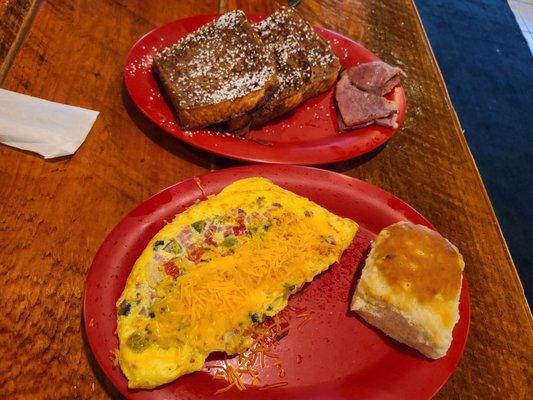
(217, 270)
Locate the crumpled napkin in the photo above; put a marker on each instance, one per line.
(44, 127)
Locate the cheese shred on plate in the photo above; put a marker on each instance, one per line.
(217, 271)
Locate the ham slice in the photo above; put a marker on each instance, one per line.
(375, 77)
(359, 108)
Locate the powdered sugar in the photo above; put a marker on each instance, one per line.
(239, 86)
(296, 46)
(290, 21)
(222, 60)
(142, 65)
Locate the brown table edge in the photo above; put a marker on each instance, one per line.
(19, 39)
(464, 144)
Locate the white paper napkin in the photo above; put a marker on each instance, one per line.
(45, 127)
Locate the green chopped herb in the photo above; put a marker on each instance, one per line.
(255, 318)
(277, 205)
(228, 242)
(330, 240)
(172, 247)
(158, 244)
(290, 287)
(124, 308)
(198, 226)
(266, 227)
(308, 213)
(137, 342)
(252, 231)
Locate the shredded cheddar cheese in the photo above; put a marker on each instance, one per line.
(249, 363)
(208, 295)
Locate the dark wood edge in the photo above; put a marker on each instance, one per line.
(19, 39)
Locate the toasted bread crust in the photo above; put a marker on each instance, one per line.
(219, 71)
(306, 66)
(325, 79)
(203, 116)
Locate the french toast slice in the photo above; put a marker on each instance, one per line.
(219, 71)
(306, 66)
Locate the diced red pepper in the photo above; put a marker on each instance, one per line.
(171, 269)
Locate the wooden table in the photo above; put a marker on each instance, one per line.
(55, 214)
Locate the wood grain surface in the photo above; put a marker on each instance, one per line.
(12, 15)
(55, 214)
(15, 19)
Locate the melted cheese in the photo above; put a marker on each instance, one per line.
(217, 270)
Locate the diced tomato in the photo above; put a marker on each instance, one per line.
(209, 240)
(171, 269)
(240, 228)
(194, 253)
(209, 236)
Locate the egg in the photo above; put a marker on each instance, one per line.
(216, 271)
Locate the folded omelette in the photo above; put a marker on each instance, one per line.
(215, 271)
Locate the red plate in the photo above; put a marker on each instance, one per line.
(308, 135)
(335, 355)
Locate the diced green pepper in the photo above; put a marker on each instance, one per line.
(172, 247)
(228, 242)
(137, 342)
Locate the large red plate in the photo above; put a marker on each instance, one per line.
(308, 135)
(335, 355)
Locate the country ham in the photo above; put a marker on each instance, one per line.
(359, 108)
(375, 77)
